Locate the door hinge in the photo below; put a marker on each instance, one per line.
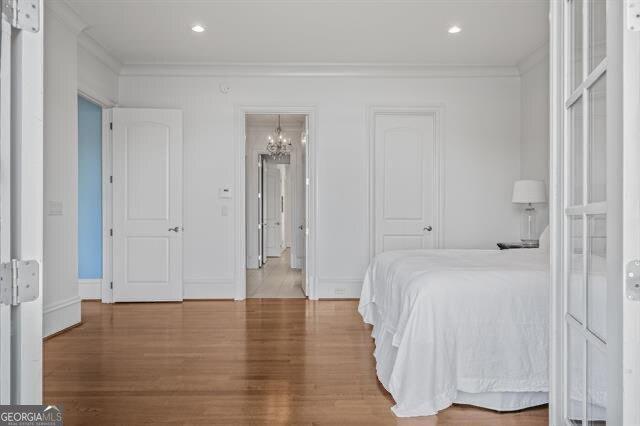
(110, 179)
(23, 14)
(111, 126)
(633, 280)
(19, 281)
(633, 15)
(111, 285)
(111, 232)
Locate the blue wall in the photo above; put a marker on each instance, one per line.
(89, 190)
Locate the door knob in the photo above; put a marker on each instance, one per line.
(301, 227)
(277, 224)
(427, 228)
(176, 229)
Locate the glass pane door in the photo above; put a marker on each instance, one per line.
(585, 213)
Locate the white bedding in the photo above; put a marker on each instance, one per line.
(449, 322)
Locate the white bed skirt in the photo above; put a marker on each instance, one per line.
(385, 354)
(503, 401)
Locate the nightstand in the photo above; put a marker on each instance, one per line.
(509, 246)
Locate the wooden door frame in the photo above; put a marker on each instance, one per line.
(241, 111)
(437, 111)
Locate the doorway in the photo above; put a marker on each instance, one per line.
(275, 214)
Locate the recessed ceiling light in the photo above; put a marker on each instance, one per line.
(197, 28)
(455, 29)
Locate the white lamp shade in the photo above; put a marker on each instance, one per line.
(529, 191)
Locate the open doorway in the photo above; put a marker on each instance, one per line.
(275, 205)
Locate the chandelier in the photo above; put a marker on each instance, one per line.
(278, 145)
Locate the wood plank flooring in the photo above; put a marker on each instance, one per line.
(275, 280)
(222, 362)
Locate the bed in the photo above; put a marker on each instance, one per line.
(459, 326)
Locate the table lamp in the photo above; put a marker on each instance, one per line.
(529, 192)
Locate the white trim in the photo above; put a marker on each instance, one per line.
(63, 315)
(339, 288)
(107, 207)
(6, 190)
(27, 210)
(87, 92)
(92, 47)
(90, 289)
(529, 62)
(618, 331)
(556, 213)
(240, 183)
(631, 221)
(208, 288)
(438, 112)
(317, 70)
(68, 16)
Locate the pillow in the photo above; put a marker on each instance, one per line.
(544, 239)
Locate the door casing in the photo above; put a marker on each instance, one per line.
(241, 112)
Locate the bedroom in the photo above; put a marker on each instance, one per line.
(471, 87)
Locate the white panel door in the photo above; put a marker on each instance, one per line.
(404, 181)
(272, 195)
(147, 205)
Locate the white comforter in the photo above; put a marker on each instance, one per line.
(457, 320)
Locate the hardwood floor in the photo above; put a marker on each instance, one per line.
(275, 280)
(222, 362)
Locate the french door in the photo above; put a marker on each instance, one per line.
(21, 202)
(588, 331)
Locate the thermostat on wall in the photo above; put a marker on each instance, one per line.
(224, 193)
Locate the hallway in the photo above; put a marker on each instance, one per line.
(276, 280)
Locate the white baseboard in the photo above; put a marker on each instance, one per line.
(61, 315)
(252, 263)
(90, 289)
(208, 289)
(339, 288)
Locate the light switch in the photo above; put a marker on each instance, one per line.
(225, 211)
(224, 193)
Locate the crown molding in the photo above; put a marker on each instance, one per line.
(61, 10)
(317, 70)
(86, 42)
(527, 63)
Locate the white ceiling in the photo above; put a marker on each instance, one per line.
(407, 32)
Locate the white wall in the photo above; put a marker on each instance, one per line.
(97, 72)
(64, 67)
(534, 139)
(481, 149)
(60, 260)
